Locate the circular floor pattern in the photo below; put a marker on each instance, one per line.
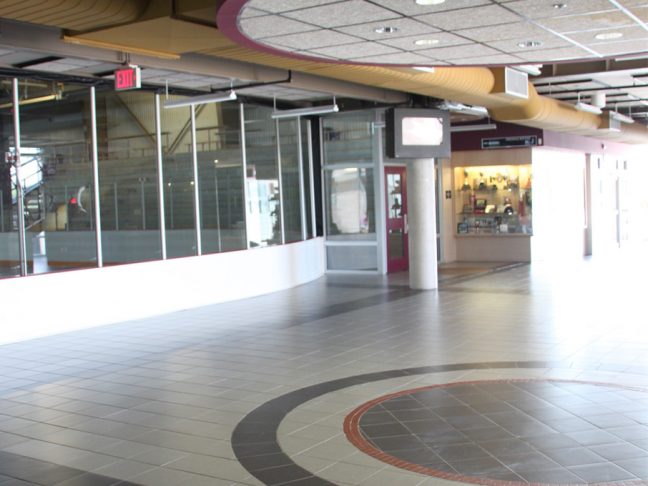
(510, 432)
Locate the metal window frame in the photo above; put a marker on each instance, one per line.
(96, 212)
(311, 177)
(246, 201)
(196, 190)
(22, 247)
(302, 193)
(95, 175)
(160, 178)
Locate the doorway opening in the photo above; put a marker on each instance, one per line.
(396, 219)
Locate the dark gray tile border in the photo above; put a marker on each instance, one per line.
(256, 435)
(255, 443)
(26, 471)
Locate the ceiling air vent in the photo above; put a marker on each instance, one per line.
(511, 83)
(610, 123)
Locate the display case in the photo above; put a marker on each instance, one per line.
(493, 200)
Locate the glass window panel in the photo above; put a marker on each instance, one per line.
(394, 195)
(177, 165)
(9, 253)
(56, 141)
(220, 172)
(348, 139)
(306, 172)
(290, 179)
(262, 178)
(350, 213)
(128, 176)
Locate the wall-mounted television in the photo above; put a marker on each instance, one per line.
(416, 133)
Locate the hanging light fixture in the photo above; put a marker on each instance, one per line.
(310, 110)
(201, 100)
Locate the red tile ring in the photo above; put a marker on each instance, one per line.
(353, 432)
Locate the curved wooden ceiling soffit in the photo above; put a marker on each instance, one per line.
(467, 42)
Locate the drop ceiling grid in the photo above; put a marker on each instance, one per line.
(334, 29)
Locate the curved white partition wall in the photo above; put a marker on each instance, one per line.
(54, 303)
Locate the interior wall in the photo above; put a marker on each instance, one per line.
(604, 205)
(558, 205)
(638, 203)
(446, 209)
(54, 303)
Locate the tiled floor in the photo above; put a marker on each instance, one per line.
(156, 401)
(514, 430)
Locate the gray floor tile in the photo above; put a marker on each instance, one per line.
(168, 391)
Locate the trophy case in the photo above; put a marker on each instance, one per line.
(493, 200)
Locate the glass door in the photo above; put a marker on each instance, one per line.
(396, 211)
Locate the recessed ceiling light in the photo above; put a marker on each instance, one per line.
(559, 6)
(529, 44)
(385, 29)
(429, 2)
(608, 35)
(426, 42)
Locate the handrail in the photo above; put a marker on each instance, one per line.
(34, 224)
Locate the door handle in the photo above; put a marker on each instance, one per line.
(405, 224)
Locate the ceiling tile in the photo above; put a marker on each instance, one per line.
(217, 80)
(445, 39)
(513, 45)
(408, 7)
(619, 98)
(103, 67)
(641, 12)
(272, 25)
(612, 78)
(342, 13)
(248, 13)
(470, 17)
(350, 51)
(629, 33)
(582, 85)
(489, 60)
(191, 84)
(182, 77)
(535, 9)
(313, 40)
(457, 52)
(558, 54)
(623, 47)
(579, 23)
(502, 32)
(552, 90)
(81, 62)
(151, 73)
(20, 57)
(399, 58)
(641, 92)
(54, 67)
(297, 51)
(565, 96)
(276, 6)
(406, 27)
(632, 3)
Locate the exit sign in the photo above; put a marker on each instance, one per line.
(128, 78)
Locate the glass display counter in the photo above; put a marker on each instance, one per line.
(493, 200)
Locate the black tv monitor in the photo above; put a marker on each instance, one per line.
(417, 133)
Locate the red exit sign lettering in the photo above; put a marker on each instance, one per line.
(128, 78)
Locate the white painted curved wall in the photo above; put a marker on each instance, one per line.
(49, 304)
